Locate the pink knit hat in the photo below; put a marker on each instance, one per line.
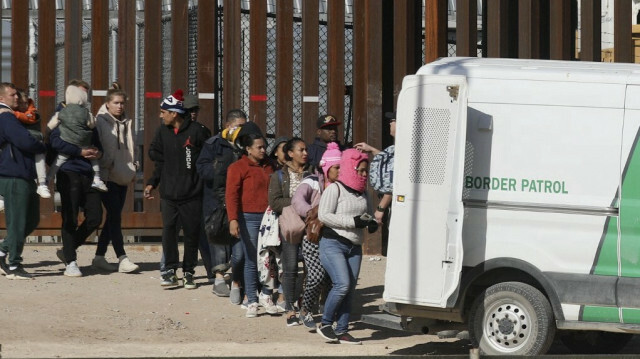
(348, 173)
(330, 158)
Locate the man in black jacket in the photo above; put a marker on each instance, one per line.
(174, 150)
(218, 153)
(327, 131)
(17, 185)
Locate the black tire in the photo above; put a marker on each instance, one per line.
(511, 318)
(594, 342)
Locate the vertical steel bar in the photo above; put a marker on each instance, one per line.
(232, 61)
(360, 73)
(179, 44)
(310, 71)
(99, 51)
(207, 64)
(20, 44)
(435, 29)
(284, 68)
(466, 28)
(258, 63)
(73, 39)
(529, 29)
(560, 30)
(152, 85)
(335, 61)
(46, 74)
(622, 43)
(498, 28)
(590, 31)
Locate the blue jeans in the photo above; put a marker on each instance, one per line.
(249, 224)
(342, 263)
(237, 261)
(113, 202)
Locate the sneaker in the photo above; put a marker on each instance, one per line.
(99, 262)
(99, 185)
(281, 306)
(235, 295)
(221, 289)
(252, 310)
(346, 338)
(292, 321)
(43, 191)
(1, 205)
(266, 302)
(307, 319)
(60, 255)
(4, 268)
(18, 273)
(187, 281)
(169, 278)
(126, 265)
(326, 331)
(245, 304)
(72, 270)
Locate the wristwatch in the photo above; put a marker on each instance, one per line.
(380, 209)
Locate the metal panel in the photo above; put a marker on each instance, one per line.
(560, 30)
(20, 44)
(590, 30)
(232, 60)
(501, 37)
(99, 51)
(73, 39)
(284, 68)
(622, 43)
(310, 71)
(179, 45)
(152, 86)
(435, 29)
(258, 64)
(467, 28)
(207, 64)
(335, 54)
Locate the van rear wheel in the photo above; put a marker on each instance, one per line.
(511, 318)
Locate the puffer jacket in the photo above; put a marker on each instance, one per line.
(118, 162)
(215, 158)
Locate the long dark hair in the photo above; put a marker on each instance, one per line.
(289, 146)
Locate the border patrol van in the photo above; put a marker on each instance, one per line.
(519, 210)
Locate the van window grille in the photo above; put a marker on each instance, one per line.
(430, 140)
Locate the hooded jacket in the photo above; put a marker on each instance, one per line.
(215, 158)
(118, 160)
(74, 120)
(175, 156)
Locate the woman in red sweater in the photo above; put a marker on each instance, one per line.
(246, 197)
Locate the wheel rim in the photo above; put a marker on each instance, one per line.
(507, 326)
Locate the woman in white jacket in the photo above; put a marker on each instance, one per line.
(118, 170)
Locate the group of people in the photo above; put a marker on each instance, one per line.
(220, 190)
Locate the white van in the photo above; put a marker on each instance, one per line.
(518, 210)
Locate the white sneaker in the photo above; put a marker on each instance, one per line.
(99, 185)
(252, 310)
(266, 301)
(99, 262)
(126, 265)
(1, 205)
(43, 191)
(72, 270)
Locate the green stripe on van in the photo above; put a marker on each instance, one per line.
(600, 314)
(630, 316)
(607, 263)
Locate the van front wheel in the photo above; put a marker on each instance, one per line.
(511, 318)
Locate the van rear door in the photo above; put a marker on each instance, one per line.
(425, 240)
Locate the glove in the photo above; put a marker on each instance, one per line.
(360, 223)
(372, 226)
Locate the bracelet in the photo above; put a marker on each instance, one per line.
(381, 209)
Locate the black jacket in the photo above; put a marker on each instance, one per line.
(215, 158)
(175, 158)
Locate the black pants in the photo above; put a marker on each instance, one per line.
(113, 202)
(189, 214)
(289, 257)
(75, 193)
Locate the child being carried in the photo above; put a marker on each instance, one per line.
(76, 124)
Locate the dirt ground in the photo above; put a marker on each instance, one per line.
(118, 315)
